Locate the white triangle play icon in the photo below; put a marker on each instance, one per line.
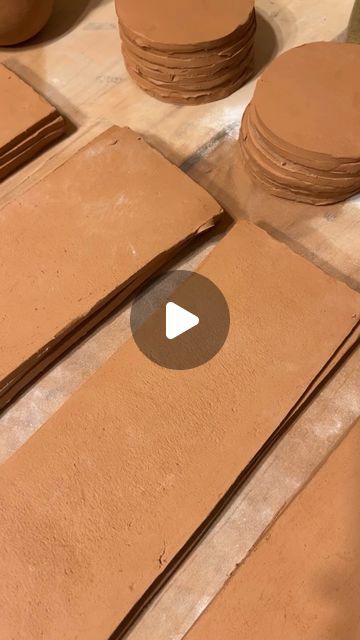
(178, 320)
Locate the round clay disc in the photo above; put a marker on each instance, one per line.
(191, 84)
(198, 59)
(183, 24)
(198, 75)
(309, 99)
(191, 97)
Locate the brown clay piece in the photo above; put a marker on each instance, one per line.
(22, 19)
(184, 25)
(86, 235)
(302, 581)
(300, 135)
(188, 53)
(85, 525)
(29, 122)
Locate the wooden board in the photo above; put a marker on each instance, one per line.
(76, 63)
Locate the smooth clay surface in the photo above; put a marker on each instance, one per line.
(29, 122)
(101, 499)
(303, 580)
(184, 24)
(301, 133)
(81, 239)
(188, 52)
(22, 19)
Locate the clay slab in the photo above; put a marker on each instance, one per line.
(302, 581)
(77, 243)
(57, 514)
(27, 120)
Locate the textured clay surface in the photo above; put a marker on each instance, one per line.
(300, 135)
(303, 579)
(189, 52)
(68, 263)
(28, 122)
(99, 500)
(22, 19)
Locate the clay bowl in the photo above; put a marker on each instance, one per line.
(22, 19)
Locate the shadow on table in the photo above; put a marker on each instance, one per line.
(267, 45)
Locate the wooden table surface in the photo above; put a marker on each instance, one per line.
(76, 62)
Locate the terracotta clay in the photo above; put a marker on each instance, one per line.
(184, 24)
(187, 60)
(85, 525)
(288, 137)
(71, 265)
(191, 77)
(198, 58)
(303, 580)
(22, 19)
(29, 122)
(200, 96)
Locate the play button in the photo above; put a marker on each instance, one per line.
(180, 321)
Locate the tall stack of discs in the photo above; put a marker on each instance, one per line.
(300, 135)
(188, 51)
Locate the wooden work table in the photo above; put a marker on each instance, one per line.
(76, 62)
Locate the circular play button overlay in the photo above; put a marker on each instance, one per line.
(180, 321)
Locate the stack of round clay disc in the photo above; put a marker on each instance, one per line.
(188, 51)
(300, 135)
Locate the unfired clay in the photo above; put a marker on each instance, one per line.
(22, 19)
(101, 499)
(184, 24)
(29, 122)
(70, 264)
(188, 52)
(300, 135)
(303, 580)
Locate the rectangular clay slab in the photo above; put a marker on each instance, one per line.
(302, 582)
(25, 118)
(110, 490)
(76, 244)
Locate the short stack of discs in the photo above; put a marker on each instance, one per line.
(28, 122)
(300, 135)
(188, 51)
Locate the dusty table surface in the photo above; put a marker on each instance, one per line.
(76, 63)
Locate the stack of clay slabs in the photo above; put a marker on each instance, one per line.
(188, 52)
(300, 135)
(302, 581)
(100, 501)
(81, 240)
(28, 122)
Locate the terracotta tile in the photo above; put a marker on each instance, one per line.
(97, 503)
(29, 122)
(303, 579)
(77, 243)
